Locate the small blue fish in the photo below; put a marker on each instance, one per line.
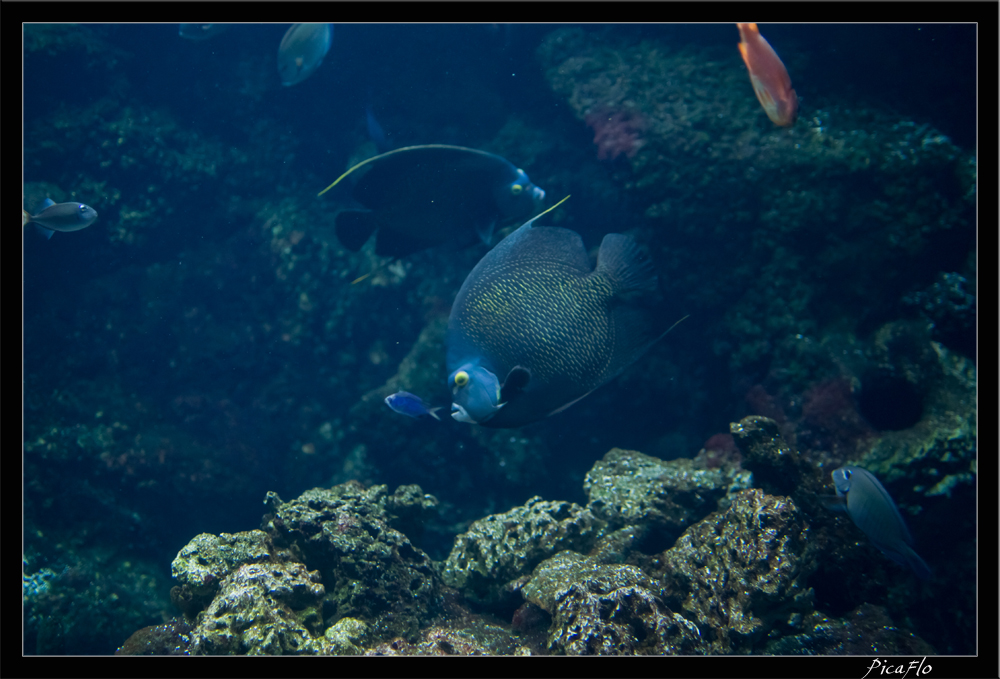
(302, 50)
(60, 217)
(405, 403)
(871, 508)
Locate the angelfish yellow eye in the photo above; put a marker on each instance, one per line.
(461, 378)
(516, 189)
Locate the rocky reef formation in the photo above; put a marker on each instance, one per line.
(330, 573)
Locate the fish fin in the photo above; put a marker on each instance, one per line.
(907, 558)
(564, 407)
(395, 152)
(626, 264)
(623, 263)
(517, 380)
(48, 202)
(45, 232)
(25, 218)
(484, 228)
(837, 503)
(354, 228)
(546, 211)
(433, 412)
(918, 565)
(395, 244)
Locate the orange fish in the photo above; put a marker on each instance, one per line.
(769, 77)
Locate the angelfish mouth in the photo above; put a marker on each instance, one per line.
(460, 414)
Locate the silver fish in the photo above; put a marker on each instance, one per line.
(60, 217)
(871, 508)
(302, 50)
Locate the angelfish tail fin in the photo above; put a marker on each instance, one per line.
(626, 263)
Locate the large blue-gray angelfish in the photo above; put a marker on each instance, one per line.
(535, 327)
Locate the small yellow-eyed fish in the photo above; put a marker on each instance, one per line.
(60, 217)
(302, 50)
(535, 327)
(405, 403)
(417, 197)
(873, 511)
(201, 31)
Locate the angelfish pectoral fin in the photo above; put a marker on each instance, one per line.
(516, 381)
(836, 503)
(484, 229)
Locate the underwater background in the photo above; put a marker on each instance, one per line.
(199, 357)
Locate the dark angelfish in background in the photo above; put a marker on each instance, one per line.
(417, 197)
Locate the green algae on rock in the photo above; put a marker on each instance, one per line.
(370, 569)
(867, 630)
(263, 609)
(776, 466)
(741, 572)
(208, 559)
(626, 487)
(606, 609)
(501, 548)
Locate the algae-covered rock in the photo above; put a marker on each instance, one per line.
(626, 487)
(465, 637)
(263, 609)
(740, 572)
(867, 630)
(777, 467)
(604, 609)
(346, 637)
(207, 559)
(503, 547)
(170, 638)
(939, 451)
(371, 571)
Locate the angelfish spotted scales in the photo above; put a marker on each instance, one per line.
(535, 327)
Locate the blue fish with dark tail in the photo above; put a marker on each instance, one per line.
(411, 405)
(535, 327)
(871, 508)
